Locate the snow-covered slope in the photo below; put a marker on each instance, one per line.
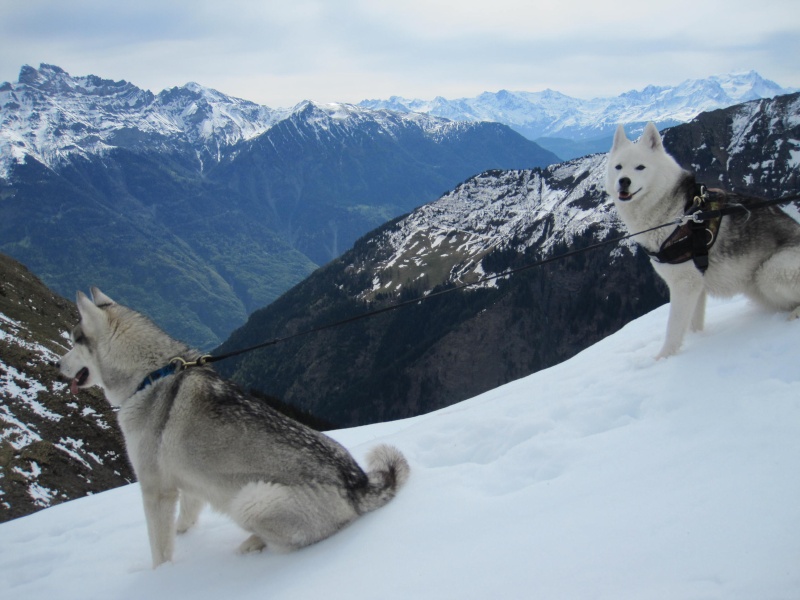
(553, 114)
(611, 476)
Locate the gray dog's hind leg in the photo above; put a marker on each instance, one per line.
(285, 518)
(190, 509)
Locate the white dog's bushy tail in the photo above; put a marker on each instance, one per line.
(387, 470)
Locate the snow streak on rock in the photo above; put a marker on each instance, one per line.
(445, 241)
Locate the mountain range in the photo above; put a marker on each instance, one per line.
(428, 355)
(457, 345)
(199, 208)
(573, 127)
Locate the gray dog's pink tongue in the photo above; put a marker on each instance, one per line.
(78, 380)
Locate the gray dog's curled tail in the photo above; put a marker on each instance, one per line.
(387, 471)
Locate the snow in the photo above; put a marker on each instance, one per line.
(16, 384)
(611, 475)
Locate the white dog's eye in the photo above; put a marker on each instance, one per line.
(640, 168)
(618, 167)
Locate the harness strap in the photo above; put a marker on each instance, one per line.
(694, 237)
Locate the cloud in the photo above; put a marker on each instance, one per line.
(279, 53)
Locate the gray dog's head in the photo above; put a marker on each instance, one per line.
(114, 348)
(80, 364)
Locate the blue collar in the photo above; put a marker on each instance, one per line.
(154, 376)
(177, 364)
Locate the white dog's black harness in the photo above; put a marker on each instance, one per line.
(693, 238)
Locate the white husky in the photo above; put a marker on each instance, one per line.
(756, 254)
(188, 430)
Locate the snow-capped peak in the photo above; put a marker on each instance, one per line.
(50, 115)
(553, 114)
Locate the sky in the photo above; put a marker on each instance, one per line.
(279, 53)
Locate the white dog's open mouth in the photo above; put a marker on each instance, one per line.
(79, 379)
(626, 195)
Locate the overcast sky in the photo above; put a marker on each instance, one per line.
(279, 53)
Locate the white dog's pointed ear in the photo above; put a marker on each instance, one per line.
(100, 299)
(651, 138)
(620, 139)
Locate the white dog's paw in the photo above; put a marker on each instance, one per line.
(251, 544)
(666, 352)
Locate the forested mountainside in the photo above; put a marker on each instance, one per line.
(198, 208)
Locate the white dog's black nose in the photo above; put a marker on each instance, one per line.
(624, 183)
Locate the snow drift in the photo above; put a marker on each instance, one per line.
(611, 475)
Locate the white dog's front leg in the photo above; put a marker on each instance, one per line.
(159, 511)
(699, 316)
(686, 303)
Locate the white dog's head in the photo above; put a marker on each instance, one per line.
(640, 170)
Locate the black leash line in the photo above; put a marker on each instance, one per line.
(734, 208)
(699, 216)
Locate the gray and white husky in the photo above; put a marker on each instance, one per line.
(756, 254)
(192, 434)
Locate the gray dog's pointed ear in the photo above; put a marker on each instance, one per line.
(620, 139)
(83, 302)
(100, 299)
(651, 138)
(90, 313)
